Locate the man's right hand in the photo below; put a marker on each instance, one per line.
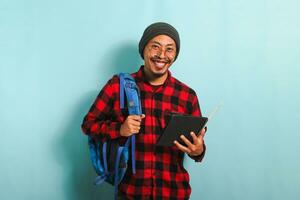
(131, 125)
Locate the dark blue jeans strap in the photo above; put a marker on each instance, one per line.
(133, 153)
(105, 157)
(122, 100)
(120, 149)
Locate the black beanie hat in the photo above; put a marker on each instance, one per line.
(155, 29)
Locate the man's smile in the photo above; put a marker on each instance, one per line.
(159, 63)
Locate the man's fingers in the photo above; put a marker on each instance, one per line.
(202, 134)
(134, 122)
(186, 141)
(135, 131)
(182, 148)
(196, 140)
(135, 117)
(134, 127)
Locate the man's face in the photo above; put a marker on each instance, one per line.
(159, 55)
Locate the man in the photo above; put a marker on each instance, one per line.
(159, 170)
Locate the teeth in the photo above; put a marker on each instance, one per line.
(159, 64)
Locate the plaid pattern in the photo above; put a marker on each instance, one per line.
(159, 170)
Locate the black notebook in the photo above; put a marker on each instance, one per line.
(181, 125)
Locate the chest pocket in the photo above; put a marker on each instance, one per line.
(166, 116)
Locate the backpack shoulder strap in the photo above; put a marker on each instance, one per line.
(129, 87)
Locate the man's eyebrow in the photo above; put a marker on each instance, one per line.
(156, 42)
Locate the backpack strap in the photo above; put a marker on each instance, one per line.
(129, 87)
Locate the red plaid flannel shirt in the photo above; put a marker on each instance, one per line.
(159, 170)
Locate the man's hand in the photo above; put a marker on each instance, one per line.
(193, 149)
(131, 125)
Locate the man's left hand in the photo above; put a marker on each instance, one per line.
(193, 149)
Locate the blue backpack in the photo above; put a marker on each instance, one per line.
(109, 159)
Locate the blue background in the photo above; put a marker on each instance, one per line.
(56, 55)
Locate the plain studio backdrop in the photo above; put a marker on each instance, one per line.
(55, 56)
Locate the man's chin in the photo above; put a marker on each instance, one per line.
(159, 74)
(157, 71)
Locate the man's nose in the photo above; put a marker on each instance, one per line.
(162, 53)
